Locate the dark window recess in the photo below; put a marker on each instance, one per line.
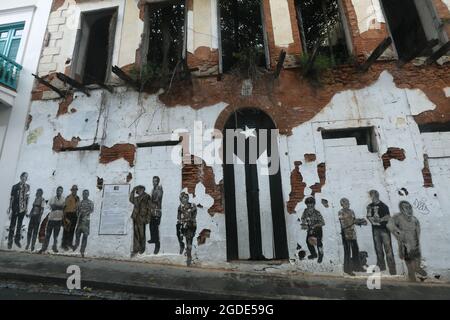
(166, 40)
(416, 29)
(320, 24)
(406, 28)
(95, 44)
(364, 136)
(242, 35)
(435, 127)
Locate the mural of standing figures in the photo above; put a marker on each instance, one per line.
(348, 222)
(70, 218)
(406, 228)
(155, 213)
(18, 207)
(378, 214)
(186, 225)
(141, 213)
(35, 219)
(312, 222)
(54, 220)
(84, 221)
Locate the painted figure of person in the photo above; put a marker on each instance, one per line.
(378, 214)
(406, 228)
(312, 222)
(35, 219)
(155, 213)
(55, 217)
(186, 225)
(18, 206)
(141, 213)
(70, 218)
(348, 222)
(84, 221)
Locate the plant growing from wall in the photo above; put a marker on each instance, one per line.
(248, 62)
(320, 64)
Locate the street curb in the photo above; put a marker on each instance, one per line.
(161, 293)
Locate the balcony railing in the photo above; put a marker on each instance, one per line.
(9, 72)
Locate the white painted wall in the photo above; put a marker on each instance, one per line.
(351, 170)
(35, 14)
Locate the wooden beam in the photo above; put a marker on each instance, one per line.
(380, 49)
(419, 51)
(47, 84)
(73, 83)
(312, 58)
(122, 75)
(102, 85)
(438, 54)
(280, 64)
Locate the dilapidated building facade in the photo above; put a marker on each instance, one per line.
(358, 91)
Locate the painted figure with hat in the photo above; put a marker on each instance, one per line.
(140, 216)
(312, 221)
(70, 218)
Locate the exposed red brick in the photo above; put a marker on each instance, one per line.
(64, 105)
(443, 13)
(192, 174)
(426, 173)
(294, 100)
(297, 193)
(203, 235)
(322, 173)
(393, 153)
(61, 144)
(310, 157)
(363, 43)
(203, 58)
(118, 151)
(57, 4)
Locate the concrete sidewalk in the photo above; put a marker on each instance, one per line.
(164, 281)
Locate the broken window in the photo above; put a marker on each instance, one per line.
(363, 136)
(94, 46)
(414, 26)
(166, 41)
(243, 42)
(321, 26)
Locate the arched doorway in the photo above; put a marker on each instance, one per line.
(254, 207)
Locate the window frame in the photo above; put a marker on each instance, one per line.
(11, 28)
(442, 36)
(79, 57)
(146, 33)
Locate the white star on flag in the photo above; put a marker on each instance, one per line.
(248, 132)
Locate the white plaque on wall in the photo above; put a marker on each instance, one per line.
(115, 209)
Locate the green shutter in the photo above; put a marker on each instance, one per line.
(10, 39)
